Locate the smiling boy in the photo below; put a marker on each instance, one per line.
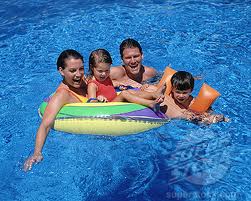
(178, 102)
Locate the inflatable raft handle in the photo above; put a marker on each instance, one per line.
(205, 99)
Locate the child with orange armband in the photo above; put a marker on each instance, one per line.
(179, 103)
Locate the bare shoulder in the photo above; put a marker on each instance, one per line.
(117, 72)
(149, 72)
(62, 97)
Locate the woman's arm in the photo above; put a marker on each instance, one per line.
(57, 101)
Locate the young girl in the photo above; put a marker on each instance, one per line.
(73, 89)
(100, 87)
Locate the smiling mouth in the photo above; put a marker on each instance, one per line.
(134, 68)
(77, 81)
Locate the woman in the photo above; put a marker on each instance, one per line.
(73, 89)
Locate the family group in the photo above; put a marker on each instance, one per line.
(99, 84)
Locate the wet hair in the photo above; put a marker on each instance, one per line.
(182, 80)
(98, 56)
(129, 43)
(68, 54)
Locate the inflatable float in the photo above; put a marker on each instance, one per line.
(114, 118)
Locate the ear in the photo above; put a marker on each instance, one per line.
(142, 56)
(91, 67)
(172, 89)
(60, 69)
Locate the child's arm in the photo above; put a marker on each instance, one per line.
(213, 118)
(207, 118)
(92, 94)
(92, 91)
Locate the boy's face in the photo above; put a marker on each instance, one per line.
(181, 96)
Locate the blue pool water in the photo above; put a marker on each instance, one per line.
(179, 161)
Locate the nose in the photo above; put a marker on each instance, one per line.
(132, 60)
(78, 73)
(103, 73)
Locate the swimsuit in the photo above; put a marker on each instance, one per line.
(105, 89)
(81, 98)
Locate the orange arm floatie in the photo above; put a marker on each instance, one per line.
(205, 99)
(166, 78)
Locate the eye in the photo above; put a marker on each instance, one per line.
(72, 70)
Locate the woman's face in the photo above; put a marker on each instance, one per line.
(73, 73)
(101, 71)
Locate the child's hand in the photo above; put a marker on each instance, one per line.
(214, 118)
(191, 115)
(102, 99)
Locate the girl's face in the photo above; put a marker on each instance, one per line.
(73, 73)
(101, 71)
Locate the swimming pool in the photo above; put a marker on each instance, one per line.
(179, 161)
